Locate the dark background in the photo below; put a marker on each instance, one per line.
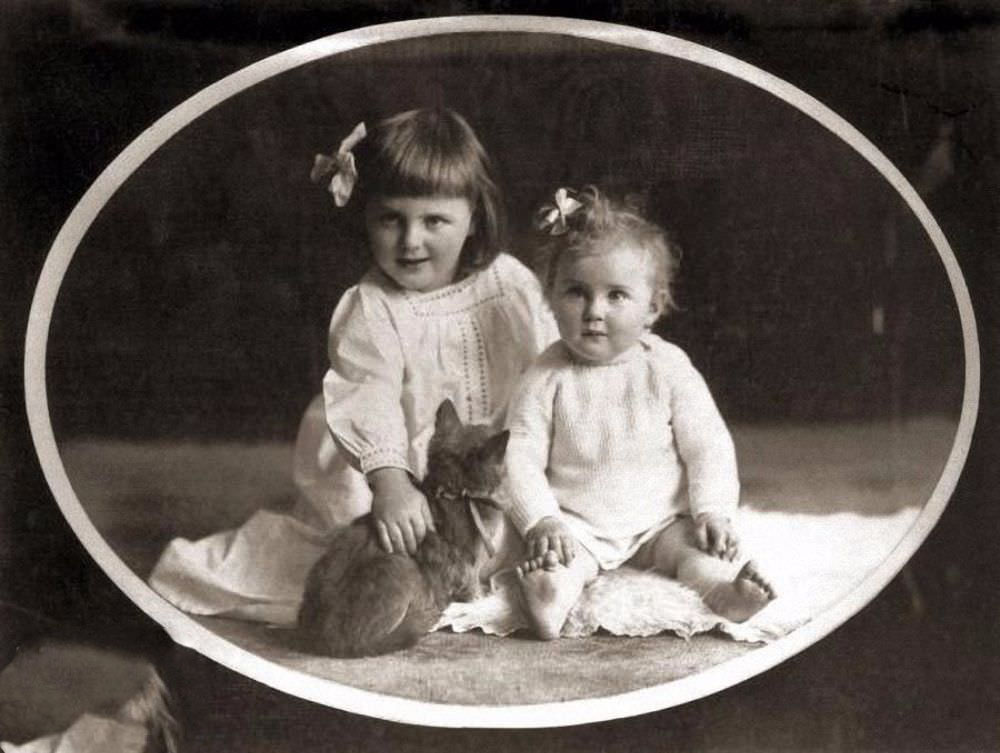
(198, 301)
(192, 285)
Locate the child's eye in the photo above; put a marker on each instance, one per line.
(388, 220)
(618, 296)
(435, 221)
(573, 291)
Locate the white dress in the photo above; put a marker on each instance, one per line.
(394, 356)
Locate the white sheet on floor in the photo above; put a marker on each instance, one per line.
(813, 560)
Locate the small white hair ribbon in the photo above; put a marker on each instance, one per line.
(551, 218)
(341, 165)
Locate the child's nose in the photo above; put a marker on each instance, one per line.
(412, 235)
(594, 309)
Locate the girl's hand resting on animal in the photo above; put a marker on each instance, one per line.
(714, 533)
(402, 515)
(551, 534)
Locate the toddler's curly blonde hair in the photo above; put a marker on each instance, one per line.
(592, 223)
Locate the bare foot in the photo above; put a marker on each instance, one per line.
(547, 593)
(741, 599)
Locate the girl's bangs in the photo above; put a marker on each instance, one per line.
(424, 173)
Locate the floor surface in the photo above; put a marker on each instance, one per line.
(141, 495)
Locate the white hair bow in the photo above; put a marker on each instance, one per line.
(551, 218)
(341, 165)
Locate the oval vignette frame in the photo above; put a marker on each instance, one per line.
(187, 632)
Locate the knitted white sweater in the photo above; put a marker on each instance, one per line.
(617, 449)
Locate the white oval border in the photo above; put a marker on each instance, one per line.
(187, 632)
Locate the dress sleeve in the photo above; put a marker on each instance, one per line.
(362, 390)
(527, 456)
(703, 441)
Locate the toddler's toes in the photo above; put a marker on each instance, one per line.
(743, 597)
(530, 565)
(751, 573)
(550, 561)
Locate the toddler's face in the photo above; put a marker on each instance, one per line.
(417, 240)
(604, 302)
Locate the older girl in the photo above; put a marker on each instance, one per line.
(443, 312)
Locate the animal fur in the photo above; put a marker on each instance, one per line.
(361, 601)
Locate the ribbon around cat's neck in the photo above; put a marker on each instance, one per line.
(473, 502)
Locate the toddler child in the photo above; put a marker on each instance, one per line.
(617, 451)
(442, 313)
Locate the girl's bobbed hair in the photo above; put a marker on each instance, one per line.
(434, 151)
(585, 222)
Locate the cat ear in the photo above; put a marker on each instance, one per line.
(495, 447)
(447, 421)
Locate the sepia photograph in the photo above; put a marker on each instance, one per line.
(618, 382)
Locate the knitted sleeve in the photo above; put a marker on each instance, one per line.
(530, 423)
(703, 440)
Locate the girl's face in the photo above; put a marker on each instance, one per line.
(417, 240)
(604, 302)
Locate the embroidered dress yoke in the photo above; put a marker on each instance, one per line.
(618, 450)
(396, 354)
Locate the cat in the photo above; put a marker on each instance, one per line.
(361, 601)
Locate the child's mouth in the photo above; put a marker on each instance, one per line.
(411, 262)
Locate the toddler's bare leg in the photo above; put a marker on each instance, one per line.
(549, 589)
(731, 592)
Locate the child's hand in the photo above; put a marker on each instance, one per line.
(551, 534)
(715, 534)
(402, 515)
